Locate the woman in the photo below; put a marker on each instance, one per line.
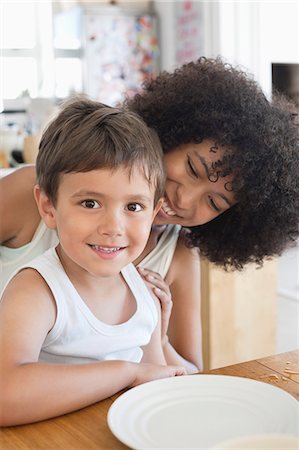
(232, 165)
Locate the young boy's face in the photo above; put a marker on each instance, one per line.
(103, 219)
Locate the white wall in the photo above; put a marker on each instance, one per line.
(252, 34)
(278, 38)
(257, 33)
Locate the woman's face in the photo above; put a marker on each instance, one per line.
(192, 196)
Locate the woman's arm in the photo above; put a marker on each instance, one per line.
(181, 308)
(33, 391)
(18, 206)
(185, 332)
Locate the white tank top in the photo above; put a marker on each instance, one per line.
(159, 259)
(80, 337)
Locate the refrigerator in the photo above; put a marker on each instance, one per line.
(120, 51)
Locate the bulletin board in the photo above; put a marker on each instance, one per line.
(121, 51)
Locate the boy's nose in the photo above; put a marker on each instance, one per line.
(111, 225)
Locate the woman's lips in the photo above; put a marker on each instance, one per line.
(167, 209)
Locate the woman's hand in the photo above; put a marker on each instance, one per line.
(162, 292)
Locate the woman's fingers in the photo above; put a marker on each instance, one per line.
(155, 279)
(165, 298)
(162, 292)
(147, 272)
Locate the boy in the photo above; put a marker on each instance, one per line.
(76, 322)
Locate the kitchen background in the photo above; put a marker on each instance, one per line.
(50, 50)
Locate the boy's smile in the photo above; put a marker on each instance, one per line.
(107, 252)
(103, 219)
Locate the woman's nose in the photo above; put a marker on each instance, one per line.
(186, 197)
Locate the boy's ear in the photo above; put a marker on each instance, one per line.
(158, 207)
(45, 207)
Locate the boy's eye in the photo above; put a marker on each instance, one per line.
(90, 204)
(134, 207)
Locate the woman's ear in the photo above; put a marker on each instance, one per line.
(45, 207)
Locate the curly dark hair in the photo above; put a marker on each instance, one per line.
(210, 98)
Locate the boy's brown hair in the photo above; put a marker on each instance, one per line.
(87, 135)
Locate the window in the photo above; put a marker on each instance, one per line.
(67, 40)
(40, 49)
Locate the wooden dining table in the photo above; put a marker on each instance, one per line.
(88, 428)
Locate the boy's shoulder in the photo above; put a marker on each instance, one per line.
(29, 276)
(29, 288)
(28, 279)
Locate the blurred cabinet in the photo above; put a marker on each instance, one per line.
(238, 313)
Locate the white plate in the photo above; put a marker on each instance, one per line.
(198, 411)
(261, 442)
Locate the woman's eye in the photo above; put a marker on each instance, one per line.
(90, 204)
(134, 207)
(213, 205)
(191, 168)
